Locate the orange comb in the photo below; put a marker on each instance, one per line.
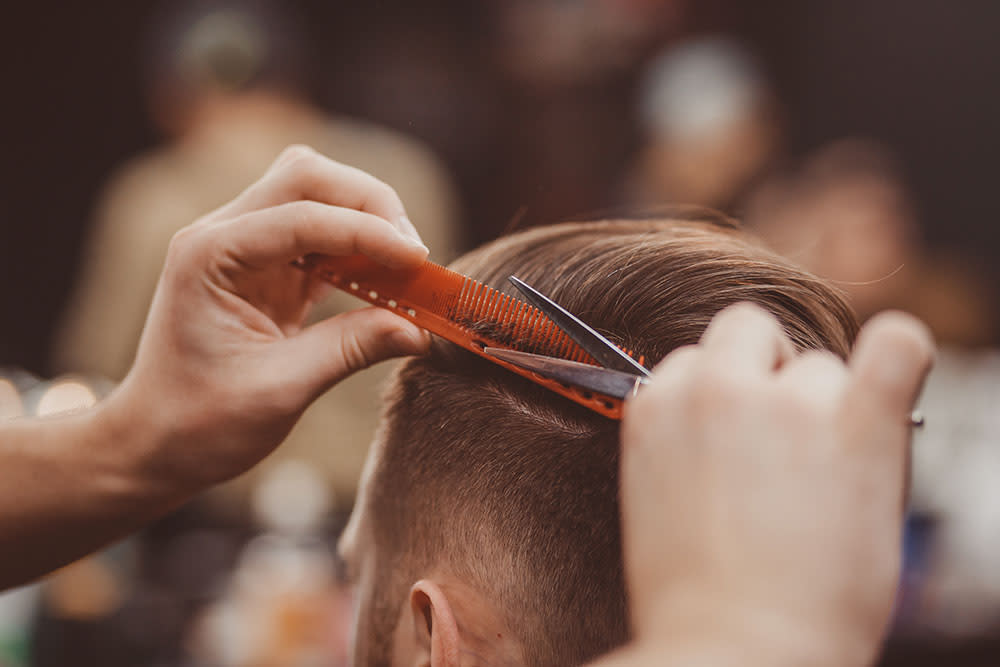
(465, 312)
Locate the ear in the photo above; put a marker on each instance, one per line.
(435, 637)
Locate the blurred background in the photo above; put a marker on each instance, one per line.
(856, 137)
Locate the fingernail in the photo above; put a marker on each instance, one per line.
(410, 232)
(411, 339)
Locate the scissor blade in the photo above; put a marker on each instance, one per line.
(603, 350)
(617, 384)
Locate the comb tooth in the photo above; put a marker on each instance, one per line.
(463, 296)
(480, 298)
(569, 349)
(523, 321)
(550, 330)
(538, 333)
(470, 300)
(463, 300)
(491, 305)
(504, 312)
(537, 337)
(484, 305)
(510, 320)
(511, 312)
(569, 346)
(477, 295)
(544, 323)
(499, 309)
(505, 308)
(576, 352)
(491, 311)
(563, 342)
(525, 335)
(528, 331)
(547, 341)
(555, 339)
(515, 325)
(480, 293)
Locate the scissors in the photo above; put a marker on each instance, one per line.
(619, 375)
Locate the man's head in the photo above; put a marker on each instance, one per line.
(487, 522)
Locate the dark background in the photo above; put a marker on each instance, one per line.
(921, 76)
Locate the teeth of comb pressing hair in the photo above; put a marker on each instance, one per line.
(464, 311)
(510, 320)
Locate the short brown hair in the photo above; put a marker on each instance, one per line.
(513, 488)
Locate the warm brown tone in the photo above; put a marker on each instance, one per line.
(514, 489)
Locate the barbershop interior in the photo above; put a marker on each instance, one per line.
(856, 138)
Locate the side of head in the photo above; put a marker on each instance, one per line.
(488, 512)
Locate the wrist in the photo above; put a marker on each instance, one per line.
(138, 463)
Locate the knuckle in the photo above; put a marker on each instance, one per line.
(299, 165)
(386, 192)
(354, 354)
(296, 153)
(308, 217)
(183, 240)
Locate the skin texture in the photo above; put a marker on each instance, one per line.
(786, 514)
(223, 370)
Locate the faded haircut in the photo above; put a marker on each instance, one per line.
(514, 489)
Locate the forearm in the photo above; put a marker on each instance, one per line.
(70, 485)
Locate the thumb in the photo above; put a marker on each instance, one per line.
(329, 351)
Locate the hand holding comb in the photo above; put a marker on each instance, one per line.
(477, 317)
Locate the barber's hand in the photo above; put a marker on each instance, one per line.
(763, 491)
(224, 366)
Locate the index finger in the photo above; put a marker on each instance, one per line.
(302, 173)
(282, 233)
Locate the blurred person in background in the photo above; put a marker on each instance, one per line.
(710, 126)
(846, 215)
(225, 86)
(568, 70)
